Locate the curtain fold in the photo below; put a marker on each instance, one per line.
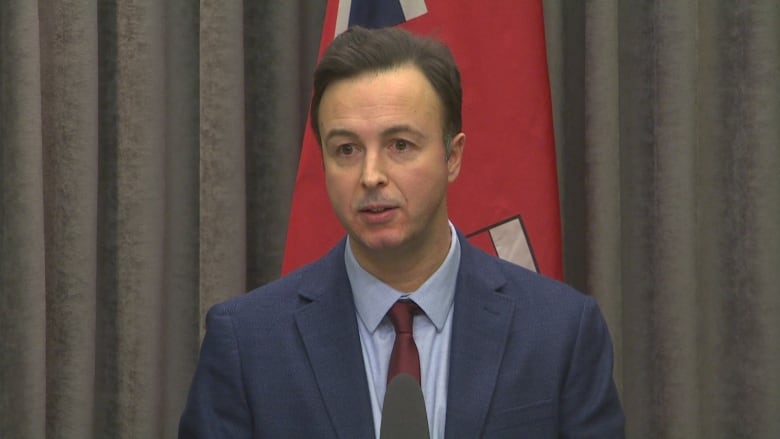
(148, 153)
(277, 36)
(669, 162)
(132, 222)
(602, 167)
(743, 219)
(22, 243)
(658, 139)
(69, 111)
(180, 284)
(222, 210)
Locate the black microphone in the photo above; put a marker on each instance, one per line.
(403, 412)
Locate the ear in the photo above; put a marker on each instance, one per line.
(456, 157)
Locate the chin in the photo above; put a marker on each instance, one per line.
(380, 241)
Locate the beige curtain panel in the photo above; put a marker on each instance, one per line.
(148, 152)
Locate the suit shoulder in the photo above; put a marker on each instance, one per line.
(288, 292)
(283, 287)
(539, 288)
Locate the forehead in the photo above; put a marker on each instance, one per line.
(398, 93)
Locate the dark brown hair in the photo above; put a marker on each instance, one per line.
(359, 50)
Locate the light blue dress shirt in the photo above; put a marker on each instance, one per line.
(432, 331)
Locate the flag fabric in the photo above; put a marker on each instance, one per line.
(506, 197)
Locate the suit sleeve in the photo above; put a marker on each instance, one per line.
(216, 406)
(590, 404)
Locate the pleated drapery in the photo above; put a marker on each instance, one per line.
(147, 159)
(668, 125)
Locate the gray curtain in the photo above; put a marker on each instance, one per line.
(668, 126)
(148, 155)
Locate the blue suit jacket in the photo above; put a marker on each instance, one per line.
(530, 358)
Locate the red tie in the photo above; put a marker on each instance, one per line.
(404, 358)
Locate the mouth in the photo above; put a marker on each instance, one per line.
(377, 213)
(376, 209)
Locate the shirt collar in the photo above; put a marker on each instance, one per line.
(373, 298)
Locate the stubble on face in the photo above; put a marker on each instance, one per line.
(385, 165)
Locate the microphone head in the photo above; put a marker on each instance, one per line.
(403, 412)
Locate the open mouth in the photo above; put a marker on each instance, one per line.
(376, 209)
(377, 214)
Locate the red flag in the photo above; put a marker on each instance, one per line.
(506, 197)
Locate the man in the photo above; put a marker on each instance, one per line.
(503, 352)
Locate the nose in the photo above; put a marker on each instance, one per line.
(373, 174)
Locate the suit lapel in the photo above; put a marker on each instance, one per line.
(479, 333)
(329, 331)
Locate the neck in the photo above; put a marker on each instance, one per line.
(407, 269)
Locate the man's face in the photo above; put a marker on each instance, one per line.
(384, 157)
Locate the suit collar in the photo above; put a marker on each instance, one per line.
(479, 334)
(330, 335)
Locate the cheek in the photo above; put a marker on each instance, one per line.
(425, 185)
(339, 191)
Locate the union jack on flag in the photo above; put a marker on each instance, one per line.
(377, 13)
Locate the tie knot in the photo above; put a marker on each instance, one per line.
(401, 314)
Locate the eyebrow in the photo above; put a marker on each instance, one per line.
(396, 129)
(390, 131)
(339, 132)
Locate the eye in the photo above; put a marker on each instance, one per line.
(346, 149)
(400, 145)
